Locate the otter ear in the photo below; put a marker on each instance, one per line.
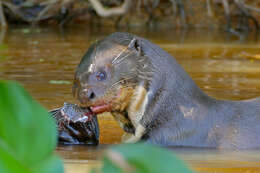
(136, 45)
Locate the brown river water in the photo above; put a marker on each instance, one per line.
(43, 60)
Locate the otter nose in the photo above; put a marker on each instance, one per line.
(87, 93)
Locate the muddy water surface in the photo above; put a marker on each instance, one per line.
(43, 60)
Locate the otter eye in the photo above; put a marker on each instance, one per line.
(101, 75)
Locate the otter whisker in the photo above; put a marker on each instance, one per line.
(146, 78)
(123, 80)
(140, 60)
(115, 59)
(119, 61)
(148, 73)
(95, 57)
(110, 89)
(128, 86)
(125, 87)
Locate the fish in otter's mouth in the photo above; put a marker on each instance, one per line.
(76, 125)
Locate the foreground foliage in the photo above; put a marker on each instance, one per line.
(142, 158)
(27, 133)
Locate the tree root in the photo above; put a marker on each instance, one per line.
(246, 13)
(209, 10)
(2, 16)
(179, 10)
(251, 8)
(150, 6)
(227, 13)
(115, 11)
(64, 11)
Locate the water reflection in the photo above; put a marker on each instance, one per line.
(201, 160)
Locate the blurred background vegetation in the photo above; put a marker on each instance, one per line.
(234, 15)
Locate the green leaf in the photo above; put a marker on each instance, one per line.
(59, 82)
(28, 134)
(109, 167)
(26, 31)
(142, 158)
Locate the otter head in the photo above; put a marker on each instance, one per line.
(108, 73)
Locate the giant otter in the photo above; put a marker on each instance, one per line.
(152, 97)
